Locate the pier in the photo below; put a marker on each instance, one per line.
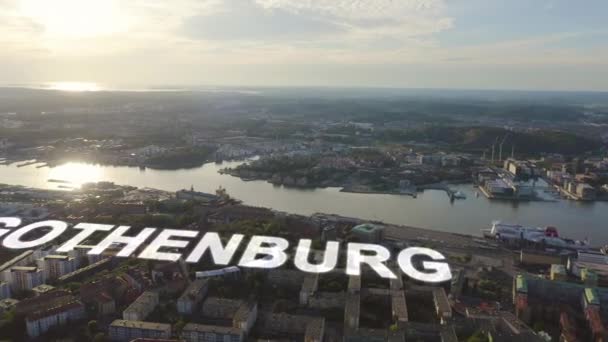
(440, 186)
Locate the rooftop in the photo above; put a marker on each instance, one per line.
(56, 257)
(591, 296)
(141, 325)
(521, 284)
(314, 329)
(24, 269)
(559, 269)
(194, 289)
(50, 311)
(399, 305)
(366, 228)
(217, 329)
(441, 300)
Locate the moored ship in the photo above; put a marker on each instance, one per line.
(548, 235)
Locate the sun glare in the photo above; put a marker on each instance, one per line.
(75, 174)
(74, 86)
(75, 18)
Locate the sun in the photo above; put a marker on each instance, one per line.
(75, 18)
(74, 86)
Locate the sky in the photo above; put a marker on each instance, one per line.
(470, 44)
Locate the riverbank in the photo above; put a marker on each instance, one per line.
(430, 210)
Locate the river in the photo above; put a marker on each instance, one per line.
(432, 209)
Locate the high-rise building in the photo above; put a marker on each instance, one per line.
(55, 266)
(5, 290)
(26, 277)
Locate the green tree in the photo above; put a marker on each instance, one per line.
(179, 326)
(99, 337)
(478, 336)
(92, 327)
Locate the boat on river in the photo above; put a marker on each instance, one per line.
(548, 235)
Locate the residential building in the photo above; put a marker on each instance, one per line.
(399, 307)
(41, 321)
(192, 297)
(46, 300)
(126, 330)
(309, 287)
(26, 277)
(442, 305)
(141, 307)
(352, 311)
(590, 299)
(215, 307)
(5, 290)
(211, 333)
(558, 272)
(233, 213)
(55, 266)
(245, 317)
(7, 304)
(84, 272)
(196, 196)
(315, 329)
(585, 191)
(282, 323)
(105, 304)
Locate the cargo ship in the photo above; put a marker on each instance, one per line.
(548, 235)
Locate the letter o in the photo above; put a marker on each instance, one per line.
(13, 240)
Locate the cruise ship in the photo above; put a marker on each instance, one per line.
(547, 235)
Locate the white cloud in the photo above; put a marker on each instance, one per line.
(161, 36)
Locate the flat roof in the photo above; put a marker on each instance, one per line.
(25, 268)
(521, 284)
(399, 305)
(441, 300)
(141, 325)
(556, 268)
(587, 273)
(58, 257)
(314, 329)
(205, 328)
(591, 296)
(366, 227)
(194, 288)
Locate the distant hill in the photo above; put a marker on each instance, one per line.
(525, 142)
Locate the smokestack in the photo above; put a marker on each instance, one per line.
(500, 147)
(500, 152)
(494, 148)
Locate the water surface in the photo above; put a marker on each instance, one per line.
(431, 209)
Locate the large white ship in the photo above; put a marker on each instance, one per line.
(548, 235)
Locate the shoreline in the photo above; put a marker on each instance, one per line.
(391, 232)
